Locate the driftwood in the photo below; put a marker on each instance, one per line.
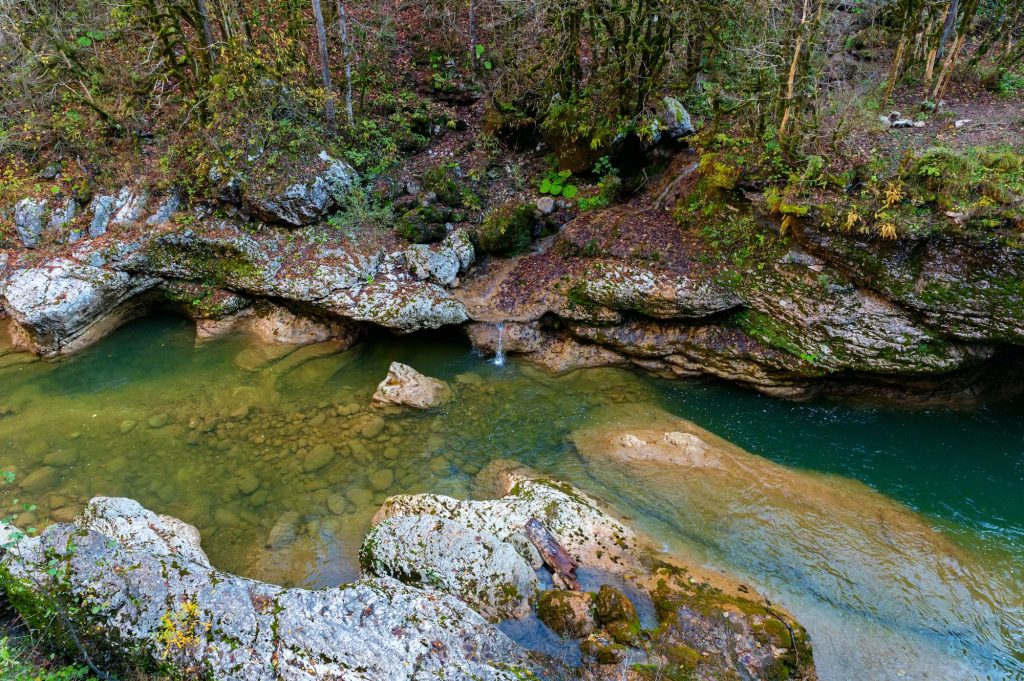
(555, 557)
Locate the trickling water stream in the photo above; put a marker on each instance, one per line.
(275, 456)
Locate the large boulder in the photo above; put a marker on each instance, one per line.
(309, 198)
(143, 587)
(486, 573)
(65, 305)
(591, 535)
(441, 263)
(406, 387)
(674, 119)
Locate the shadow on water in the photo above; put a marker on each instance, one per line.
(276, 456)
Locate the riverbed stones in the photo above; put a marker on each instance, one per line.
(483, 571)
(372, 427)
(318, 457)
(158, 421)
(381, 479)
(123, 560)
(360, 497)
(40, 480)
(404, 386)
(284, 531)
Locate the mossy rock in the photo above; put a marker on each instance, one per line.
(443, 181)
(568, 613)
(602, 651)
(508, 230)
(611, 605)
(426, 224)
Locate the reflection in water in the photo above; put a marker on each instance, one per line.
(275, 455)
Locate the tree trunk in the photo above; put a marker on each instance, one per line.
(947, 29)
(204, 20)
(325, 66)
(346, 54)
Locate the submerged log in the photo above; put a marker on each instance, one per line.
(555, 557)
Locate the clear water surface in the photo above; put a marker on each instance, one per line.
(230, 436)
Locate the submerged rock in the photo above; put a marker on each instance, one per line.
(404, 386)
(133, 572)
(481, 570)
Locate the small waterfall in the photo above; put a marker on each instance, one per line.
(499, 353)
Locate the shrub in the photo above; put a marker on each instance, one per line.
(508, 230)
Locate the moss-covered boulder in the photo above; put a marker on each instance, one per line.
(508, 230)
(425, 224)
(568, 613)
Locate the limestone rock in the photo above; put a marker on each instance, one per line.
(65, 305)
(481, 570)
(131, 206)
(62, 216)
(166, 210)
(28, 220)
(311, 197)
(102, 208)
(675, 119)
(652, 292)
(404, 386)
(591, 535)
(140, 568)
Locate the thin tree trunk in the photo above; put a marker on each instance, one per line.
(346, 54)
(325, 66)
(790, 89)
(204, 20)
(947, 29)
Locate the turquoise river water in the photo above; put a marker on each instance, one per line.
(221, 435)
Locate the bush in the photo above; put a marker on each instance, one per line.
(508, 230)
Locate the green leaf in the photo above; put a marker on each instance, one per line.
(556, 191)
(487, 65)
(84, 42)
(545, 186)
(565, 173)
(570, 191)
(479, 51)
(96, 35)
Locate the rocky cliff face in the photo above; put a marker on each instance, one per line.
(821, 309)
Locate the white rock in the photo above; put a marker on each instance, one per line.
(404, 386)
